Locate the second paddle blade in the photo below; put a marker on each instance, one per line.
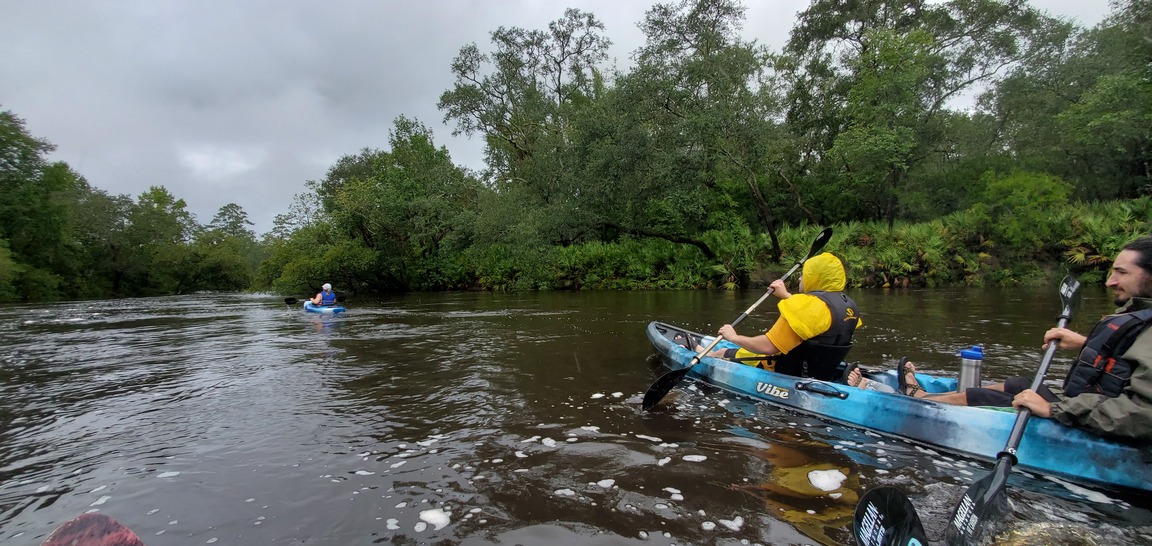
(885, 516)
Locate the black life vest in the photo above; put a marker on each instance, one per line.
(820, 357)
(1099, 368)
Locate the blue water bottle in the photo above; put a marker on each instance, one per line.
(970, 361)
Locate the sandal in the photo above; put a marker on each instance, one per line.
(848, 372)
(682, 340)
(901, 379)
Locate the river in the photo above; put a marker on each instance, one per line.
(479, 418)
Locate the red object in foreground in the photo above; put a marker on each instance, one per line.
(93, 529)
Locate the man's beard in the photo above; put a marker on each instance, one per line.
(1144, 292)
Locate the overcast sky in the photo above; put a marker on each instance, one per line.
(242, 101)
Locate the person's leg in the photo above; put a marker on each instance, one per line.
(857, 379)
(982, 396)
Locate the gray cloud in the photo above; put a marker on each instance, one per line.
(223, 101)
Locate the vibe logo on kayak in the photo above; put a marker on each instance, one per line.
(769, 389)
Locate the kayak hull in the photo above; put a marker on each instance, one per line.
(1047, 446)
(322, 309)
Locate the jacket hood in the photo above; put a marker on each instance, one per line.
(824, 272)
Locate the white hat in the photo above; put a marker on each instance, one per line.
(326, 286)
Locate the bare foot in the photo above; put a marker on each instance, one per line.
(855, 379)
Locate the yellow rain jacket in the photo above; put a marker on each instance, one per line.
(804, 316)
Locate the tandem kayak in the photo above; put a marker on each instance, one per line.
(1047, 447)
(325, 309)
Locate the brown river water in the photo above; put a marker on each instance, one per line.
(478, 418)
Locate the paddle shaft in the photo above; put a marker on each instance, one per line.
(743, 315)
(292, 301)
(668, 381)
(1022, 418)
(981, 498)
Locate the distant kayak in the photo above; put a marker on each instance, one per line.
(325, 309)
(92, 529)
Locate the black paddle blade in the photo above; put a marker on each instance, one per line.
(289, 301)
(983, 498)
(820, 241)
(662, 387)
(885, 516)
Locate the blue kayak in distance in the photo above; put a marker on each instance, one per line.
(1047, 446)
(323, 309)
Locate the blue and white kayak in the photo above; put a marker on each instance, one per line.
(1047, 447)
(325, 309)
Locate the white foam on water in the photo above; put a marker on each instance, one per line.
(708, 526)
(672, 490)
(437, 517)
(695, 458)
(1086, 493)
(402, 505)
(734, 524)
(520, 454)
(597, 395)
(606, 484)
(364, 473)
(420, 527)
(664, 461)
(649, 438)
(398, 465)
(167, 474)
(617, 394)
(548, 442)
(101, 488)
(590, 428)
(393, 524)
(564, 493)
(532, 439)
(101, 500)
(826, 480)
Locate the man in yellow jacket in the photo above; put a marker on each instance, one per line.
(814, 331)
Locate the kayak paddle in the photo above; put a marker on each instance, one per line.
(885, 516)
(666, 382)
(986, 494)
(291, 301)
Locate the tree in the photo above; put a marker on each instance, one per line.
(158, 232)
(838, 56)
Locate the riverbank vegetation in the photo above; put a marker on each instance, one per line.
(947, 143)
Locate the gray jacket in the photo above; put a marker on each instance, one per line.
(1126, 416)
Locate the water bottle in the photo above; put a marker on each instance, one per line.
(970, 361)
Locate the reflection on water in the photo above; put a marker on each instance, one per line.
(471, 419)
(808, 484)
